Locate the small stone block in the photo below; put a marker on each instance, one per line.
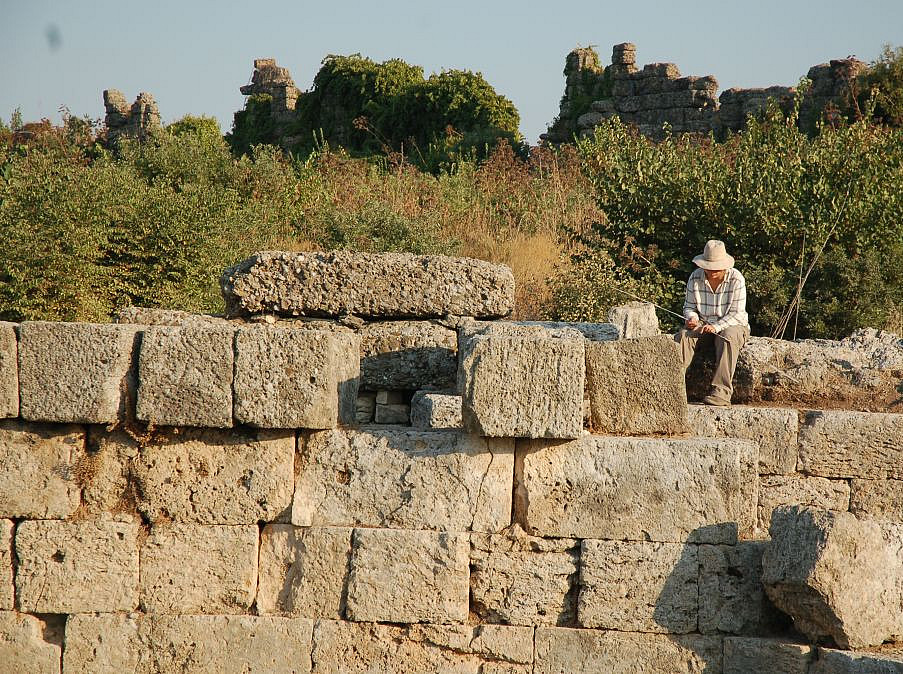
(392, 414)
(852, 445)
(9, 371)
(743, 655)
(365, 406)
(7, 593)
(787, 490)
(634, 319)
(877, 499)
(435, 410)
(23, 647)
(384, 397)
(830, 661)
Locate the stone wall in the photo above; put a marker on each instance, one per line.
(140, 120)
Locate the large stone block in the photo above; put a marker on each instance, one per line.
(636, 386)
(408, 355)
(631, 488)
(303, 570)
(830, 661)
(38, 469)
(191, 568)
(9, 371)
(529, 386)
(24, 646)
(852, 444)
(436, 410)
(404, 576)
(786, 490)
(76, 372)
(523, 580)
(635, 586)
(374, 285)
(286, 378)
(409, 479)
(877, 499)
(7, 594)
(837, 576)
(160, 644)
(359, 648)
(743, 655)
(77, 567)
(560, 650)
(774, 429)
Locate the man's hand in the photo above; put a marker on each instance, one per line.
(709, 329)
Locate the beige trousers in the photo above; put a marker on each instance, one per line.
(727, 351)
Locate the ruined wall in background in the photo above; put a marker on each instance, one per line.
(138, 120)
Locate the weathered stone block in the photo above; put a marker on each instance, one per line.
(408, 576)
(786, 490)
(852, 444)
(76, 372)
(191, 568)
(830, 661)
(436, 410)
(743, 655)
(774, 429)
(523, 580)
(286, 378)
(9, 371)
(636, 386)
(185, 376)
(560, 650)
(77, 567)
(408, 479)
(23, 647)
(392, 414)
(407, 355)
(523, 386)
(634, 319)
(630, 489)
(303, 570)
(365, 406)
(877, 499)
(374, 285)
(7, 593)
(38, 469)
(595, 332)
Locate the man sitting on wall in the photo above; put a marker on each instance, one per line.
(715, 311)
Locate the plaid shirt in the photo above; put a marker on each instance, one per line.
(721, 308)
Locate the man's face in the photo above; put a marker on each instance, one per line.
(714, 276)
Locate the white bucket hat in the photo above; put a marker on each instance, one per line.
(714, 256)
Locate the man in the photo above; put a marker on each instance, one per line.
(715, 311)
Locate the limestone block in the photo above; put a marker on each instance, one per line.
(77, 567)
(774, 429)
(747, 519)
(743, 655)
(153, 316)
(373, 285)
(357, 648)
(76, 372)
(852, 444)
(213, 476)
(9, 371)
(560, 650)
(877, 499)
(630, 488)
(636, 386)
(835, 575)
(192, 568)
(408, 576)
(530, 386)
(6, 565)
(365, 407)
(634, 319)
(185, 376)
(831, 661)
(287, 378)
(638, 586)
(595, 332)
(38, 469)
(392, 414)
(404, 478)
(523, 580)
(407, 355)
(303, 570)
(23, 647)
(786, 490)
(436, 410)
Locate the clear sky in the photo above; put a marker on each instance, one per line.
(193, 55)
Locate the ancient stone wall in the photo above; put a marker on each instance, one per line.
(139, 120)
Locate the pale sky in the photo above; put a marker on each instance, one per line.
(192, 56)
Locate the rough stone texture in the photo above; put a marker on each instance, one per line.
(140, 120)
(634, 319)
(38, 469)
(77, 567)
(185, 376)
(636, 386)
(523, 580)
(408, 576)
(639, 586)
(747, 519)
(9, 371)
(159, 644)
(824, 567)
(191, 568)
(358, 648)
(630, 488)
(830, 661)
(743, 655)
(286, 378)
(393, 413)
(76, 372)
(173, 317)
(529, 387)
(436, 410)
(774, 429)
(408, 479)
(786, 490)
(560, 650)
(23, 647)
(365, 406)
(6, 565)
(374, 285)
(852, 444)
(877, 499)
(408, 355)
(594, 332)
(302, 570)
